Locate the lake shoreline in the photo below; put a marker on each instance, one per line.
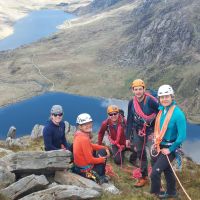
(10, 14)
(90, 96)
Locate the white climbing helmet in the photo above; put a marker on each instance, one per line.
(165, 90)
(83, 118)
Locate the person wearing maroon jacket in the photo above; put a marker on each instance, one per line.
(115, 126)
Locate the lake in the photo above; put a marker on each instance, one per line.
(36, 25)
(36, 110)
(25, 114)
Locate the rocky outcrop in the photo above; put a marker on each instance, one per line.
(25, 186)
(22, 142)
(6, 177)
(67, 178)
(63, 192)
(38, 162)
(53, 180)
(37, 131)
(162, 34)
(11, 132)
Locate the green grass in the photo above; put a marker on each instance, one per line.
(189, 177)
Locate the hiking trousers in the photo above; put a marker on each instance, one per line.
(142, 144)
(118, 156)
(162, 165)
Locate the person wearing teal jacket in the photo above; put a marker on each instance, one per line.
(170, 127)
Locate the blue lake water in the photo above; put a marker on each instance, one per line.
(25, 114)
(34, 26)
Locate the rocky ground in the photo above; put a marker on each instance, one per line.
(28, 172)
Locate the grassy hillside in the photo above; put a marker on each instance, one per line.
(99, 54)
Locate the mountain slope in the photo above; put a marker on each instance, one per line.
(100, 53)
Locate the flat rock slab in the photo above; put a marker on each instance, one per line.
(67, 178)
(62, 192)
(42, 162)
(6, 177)
(25, 186)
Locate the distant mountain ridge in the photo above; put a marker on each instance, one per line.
(163, 33)
(97, 6)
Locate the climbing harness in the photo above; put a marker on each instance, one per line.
(159, 134)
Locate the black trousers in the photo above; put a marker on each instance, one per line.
(160, 165)
(141, 144)
(117, 156)
(100, 168)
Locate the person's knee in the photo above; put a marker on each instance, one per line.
(102, 152)
(155, 174)
(117, 161)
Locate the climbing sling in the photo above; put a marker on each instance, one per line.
(159, 134)
(146, 118)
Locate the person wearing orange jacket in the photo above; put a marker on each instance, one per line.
(115, 126)
(86, 163)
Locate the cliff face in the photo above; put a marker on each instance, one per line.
(97, 6)
(163, 33)
(162, 41)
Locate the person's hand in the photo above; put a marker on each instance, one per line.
(108, 153)
(104, 158)
(165, 151)
(128, 144)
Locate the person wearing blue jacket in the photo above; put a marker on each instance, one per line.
(169, 134)
(54, 131)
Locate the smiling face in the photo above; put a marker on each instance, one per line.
(86, 128)
(56, 118)
(113, 116)
(139, 92)
(166, 100)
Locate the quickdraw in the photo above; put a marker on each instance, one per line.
(92, 175)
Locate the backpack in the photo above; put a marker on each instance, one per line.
(152, 92)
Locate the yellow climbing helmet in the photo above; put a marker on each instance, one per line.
(112, 108)
(138, 83)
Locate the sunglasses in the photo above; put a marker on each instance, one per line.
(112, 114)
(55, 115)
